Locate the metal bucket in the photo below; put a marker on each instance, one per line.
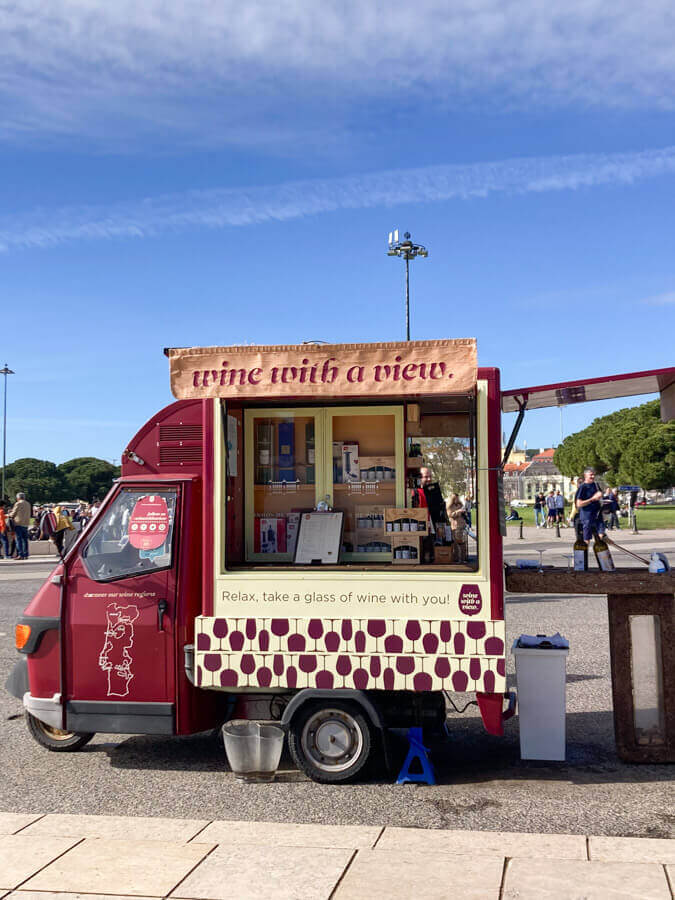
(253, 750)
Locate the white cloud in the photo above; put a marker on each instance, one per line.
(220, 208)
(203, 66)
(667, 299)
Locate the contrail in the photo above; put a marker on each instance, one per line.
(233, 207)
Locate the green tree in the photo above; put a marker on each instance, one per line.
(450, 463)
(39, 479)
(88, 477)
(631, 446)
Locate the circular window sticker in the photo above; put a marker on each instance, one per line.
(149, 523)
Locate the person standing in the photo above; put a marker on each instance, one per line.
(614, 519)
(560, 508)
(538, 512)
(21, 513)
(63, 525)
(4, 540)
(588, 501)
(457, 517)
(552, 509)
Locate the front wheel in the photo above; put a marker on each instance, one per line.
(331, 743)
(54, 738)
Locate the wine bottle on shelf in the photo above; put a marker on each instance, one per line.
(602, 554)
(580, 555)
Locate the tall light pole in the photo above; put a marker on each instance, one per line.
(6, 371)
(407, 251)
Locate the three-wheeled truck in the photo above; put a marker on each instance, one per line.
(276, 549)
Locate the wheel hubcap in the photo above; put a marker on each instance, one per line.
(332, 740)
(56, 733)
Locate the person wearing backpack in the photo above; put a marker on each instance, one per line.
(63, 525)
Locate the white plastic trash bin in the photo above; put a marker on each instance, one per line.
(540, 679)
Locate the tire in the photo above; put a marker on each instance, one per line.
(54, 738)
(331, 742)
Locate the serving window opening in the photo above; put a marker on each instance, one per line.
(400, 481)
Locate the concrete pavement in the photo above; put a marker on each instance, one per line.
(66, 856)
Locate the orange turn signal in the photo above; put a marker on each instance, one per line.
(22, 635)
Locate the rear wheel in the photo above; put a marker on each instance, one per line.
(54, 738)
(331, 743)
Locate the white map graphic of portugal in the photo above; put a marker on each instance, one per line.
(115, 657)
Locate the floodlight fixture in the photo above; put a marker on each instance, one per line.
(406, 250)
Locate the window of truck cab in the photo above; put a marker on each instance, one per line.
(365, 461)
(132, 536)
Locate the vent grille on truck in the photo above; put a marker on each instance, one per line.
(180, 445)
(180, 433)
(180, 455)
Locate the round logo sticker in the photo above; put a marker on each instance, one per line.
(470, 600)
(149, 523)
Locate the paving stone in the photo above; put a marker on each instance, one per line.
(258, 873)
(487, 843)
(142, 828)
(281, 834)
(22, 856)
(53, 895)
(398, 874)
(138, 868)
(10, 823)
(627, 849)
(572, 879)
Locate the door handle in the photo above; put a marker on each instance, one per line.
(162, 607)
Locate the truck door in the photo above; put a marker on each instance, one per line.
(120, 615)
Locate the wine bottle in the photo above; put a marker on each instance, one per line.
(580, 555)
(602, 554)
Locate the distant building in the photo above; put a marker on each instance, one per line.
(523, 479)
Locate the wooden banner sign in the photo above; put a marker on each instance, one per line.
(314, 370)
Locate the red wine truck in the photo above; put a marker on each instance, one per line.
(275, 549)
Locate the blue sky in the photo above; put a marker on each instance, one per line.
(182, 172)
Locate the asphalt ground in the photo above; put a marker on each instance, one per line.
(483, 784)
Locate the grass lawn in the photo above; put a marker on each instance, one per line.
(648, 517)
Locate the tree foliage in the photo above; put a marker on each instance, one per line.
(449, 461)
(88, 477)
(39, 479)
(44, 482)
(631, 446)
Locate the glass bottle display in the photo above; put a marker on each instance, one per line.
(580, 555)
(602, 554)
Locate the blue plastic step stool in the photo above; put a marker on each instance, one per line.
(417, 750)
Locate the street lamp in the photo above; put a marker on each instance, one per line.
(407, 251)
(6, 371)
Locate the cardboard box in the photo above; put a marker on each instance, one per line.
(444, 555)
(394, 517)
(292, 527)
(378, 468)
(337, 462)
(350, 463)
(365, 538)
(406, 548)
(270, 534)
(373, 515)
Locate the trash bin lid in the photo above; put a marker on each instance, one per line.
(542, 642)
